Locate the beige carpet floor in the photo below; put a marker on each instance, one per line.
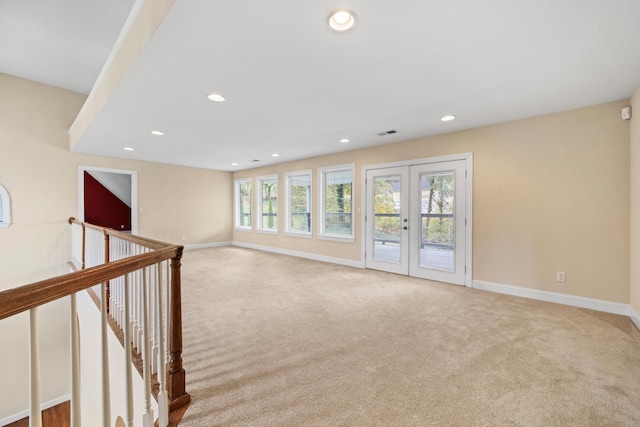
(272, 340)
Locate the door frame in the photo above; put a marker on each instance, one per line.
(468, 159)
(134, 192)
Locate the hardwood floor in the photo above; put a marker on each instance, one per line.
(58, 416)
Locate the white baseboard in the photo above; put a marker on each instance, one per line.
(43, 406)
(634, 317)
(307, 255)
(206, 245)
(572, 300)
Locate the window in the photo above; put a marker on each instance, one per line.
(5, 208)
(268, 203)
(336, 202)
(299, 202)
(243, 203)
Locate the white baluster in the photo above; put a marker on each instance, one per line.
(106, 389)
(35, 415)
(127, 354)
(75, 365)
(138, 304)
(147, 418)
(153, 318)
(121, 303)
(139, 311)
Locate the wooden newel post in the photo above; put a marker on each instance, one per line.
(176, 389)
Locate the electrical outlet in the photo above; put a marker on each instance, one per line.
(561, 276)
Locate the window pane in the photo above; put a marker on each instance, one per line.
(387, 233)
(337, 202)
(244, 204)
(269, 204)
(299, 203)
(437, 234)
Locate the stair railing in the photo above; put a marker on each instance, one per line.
(138, 288)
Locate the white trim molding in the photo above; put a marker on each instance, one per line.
(468, 159)
(558, 298)
(306, 255)
(238, 202)
(5, 207)
(322, 183)
(634, 317)
(206, 245)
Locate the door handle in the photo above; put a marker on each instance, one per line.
(405, 228)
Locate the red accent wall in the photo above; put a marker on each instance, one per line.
(102, 207)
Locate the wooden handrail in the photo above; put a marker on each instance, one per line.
(23, 298)
(142, 241)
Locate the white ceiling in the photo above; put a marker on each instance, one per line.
(62, 43)
(295, 87)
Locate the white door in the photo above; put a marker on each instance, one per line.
(387, 218)
(437, 240)
(416, 221)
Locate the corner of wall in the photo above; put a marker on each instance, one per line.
(634, 234)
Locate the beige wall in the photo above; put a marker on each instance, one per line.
(551, 193)
(635, 204)
(41, 177)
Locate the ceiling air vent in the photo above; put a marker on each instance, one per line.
(254, 161)
(389, 132)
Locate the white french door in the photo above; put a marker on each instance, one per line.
(416, 220)
(387, 220)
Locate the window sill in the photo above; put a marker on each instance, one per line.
(273, 232)
(335, 238)
(297, 234)
(245, 229)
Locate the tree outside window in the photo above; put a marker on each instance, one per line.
(337, 214)
(268, 204)
(243, 203)
(299, 203)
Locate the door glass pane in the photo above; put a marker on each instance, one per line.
(387, 220)
(437, 231)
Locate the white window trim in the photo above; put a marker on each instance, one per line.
(321, 179)
(236, 204)
(259, 225)
(6, 207)
(287, 181)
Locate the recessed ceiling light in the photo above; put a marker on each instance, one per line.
(157, 132)
(234, 164)
(275, 155)
(344, 140)
(447, 118)
(342, 20)
(128, 149)
(216, 97)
